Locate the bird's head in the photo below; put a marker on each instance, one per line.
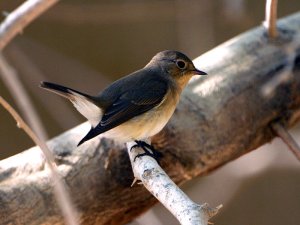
(176, 65)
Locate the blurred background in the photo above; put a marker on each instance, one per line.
(88, 44)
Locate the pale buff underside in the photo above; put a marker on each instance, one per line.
(150, 123)
(147, 124)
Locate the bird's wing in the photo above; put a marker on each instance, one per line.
(128, 105)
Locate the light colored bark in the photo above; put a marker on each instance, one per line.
(16, 21)
(147, 170)
(271, 17)
(252, 83)
(59, 190)
(13, 24)
(12, 81)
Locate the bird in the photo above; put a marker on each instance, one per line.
(137, 106)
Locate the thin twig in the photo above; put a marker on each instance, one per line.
(271, 17)
(287, 139)
(18, 92)
(32, 73)
(62, 196)
(16, 21)
(159, 184)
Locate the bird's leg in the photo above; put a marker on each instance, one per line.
(146, 147)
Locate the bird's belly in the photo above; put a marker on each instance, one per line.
(143, 126)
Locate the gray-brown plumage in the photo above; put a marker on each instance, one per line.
(138, 105)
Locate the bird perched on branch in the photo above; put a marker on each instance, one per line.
(138, 105)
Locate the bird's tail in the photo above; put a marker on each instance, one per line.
(61, 90)
(86, 104)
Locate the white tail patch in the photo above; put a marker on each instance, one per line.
(88, 109)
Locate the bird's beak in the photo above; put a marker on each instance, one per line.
(199, 72)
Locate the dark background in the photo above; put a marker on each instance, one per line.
(87, 44)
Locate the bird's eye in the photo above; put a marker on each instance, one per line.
(181, 64)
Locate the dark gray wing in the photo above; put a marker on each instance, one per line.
(130, 104)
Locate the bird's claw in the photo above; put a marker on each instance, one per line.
(149, 151)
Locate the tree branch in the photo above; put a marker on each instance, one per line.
(219, 118)
(159, 184)
(16, 21)
(271, 17)
(11, 79)
(288, 139)
(62, 196)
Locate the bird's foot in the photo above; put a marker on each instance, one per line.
(149, 150)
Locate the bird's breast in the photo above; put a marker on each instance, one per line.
(147, 124)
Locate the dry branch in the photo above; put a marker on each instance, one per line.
(271, 17)
(287, 139)
(11, 79)
(218, 119)
(16, 21)
(61, 194)
(158, 183)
